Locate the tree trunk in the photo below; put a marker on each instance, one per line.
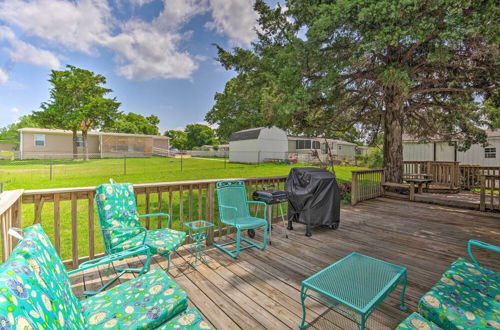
(75, 148)
(85, 145)
(393, 141)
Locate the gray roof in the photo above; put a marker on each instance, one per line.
(247, 134)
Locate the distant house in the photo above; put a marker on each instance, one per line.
(262, 144)
(42, 143)
(437, 150)
(340, 149)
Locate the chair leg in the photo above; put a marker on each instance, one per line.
(238, 242)
(264, 244)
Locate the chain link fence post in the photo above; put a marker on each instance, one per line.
(124, 164)
(50, 162)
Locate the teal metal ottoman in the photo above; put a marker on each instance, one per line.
(358, 282)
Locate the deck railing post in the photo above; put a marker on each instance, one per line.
(482, 199)
(354, 188)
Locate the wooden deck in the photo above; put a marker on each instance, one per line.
(261, 288)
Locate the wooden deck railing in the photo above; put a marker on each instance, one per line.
(366, 184)
(490, 192)
(446, 174)
(69, 216)
(10, 216)
(471, 175)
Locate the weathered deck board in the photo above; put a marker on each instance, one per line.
(261, 288)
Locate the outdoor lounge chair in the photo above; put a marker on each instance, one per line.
(121, 227)
(35, 293)
(234, 211)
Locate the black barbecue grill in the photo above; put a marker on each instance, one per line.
(270, 197)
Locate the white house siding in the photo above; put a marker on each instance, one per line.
(413, 151)
(345, 151)
(475, 155)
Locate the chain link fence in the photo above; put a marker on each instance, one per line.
(45, 170)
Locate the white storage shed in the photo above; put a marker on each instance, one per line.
(257, 145)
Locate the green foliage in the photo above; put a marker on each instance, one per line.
(77, 102)
(376, 66)
(375, 158)
(178, 139)
(134, 123)
(10, 134)
(198, 135)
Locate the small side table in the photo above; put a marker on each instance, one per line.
(198, 232)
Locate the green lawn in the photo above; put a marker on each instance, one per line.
(36, 175)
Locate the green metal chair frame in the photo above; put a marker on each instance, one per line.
(129, 226)
(234, 211)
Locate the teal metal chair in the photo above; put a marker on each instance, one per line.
(234, 211)
(121, 227)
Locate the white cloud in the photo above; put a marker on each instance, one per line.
(20, 51)
(142, 49)
(78, 26)
(14, 110)
(3, 76)
(236, 19)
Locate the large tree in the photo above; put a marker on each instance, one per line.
(198, 135)
(134, 123)
(78, 102)
(178, 139)
(380, 66)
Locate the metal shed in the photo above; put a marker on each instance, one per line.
(257, 145)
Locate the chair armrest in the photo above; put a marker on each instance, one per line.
(482, 245)
(143, 249)
(157, 215)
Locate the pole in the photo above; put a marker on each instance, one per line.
(50, 168)
(124, 164)
(225, 160)
(181, 161)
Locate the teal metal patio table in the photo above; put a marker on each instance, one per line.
(198, 231)
(356, 281)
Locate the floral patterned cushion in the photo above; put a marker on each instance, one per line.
(160, 241)
(477, 278)
(143, 303)
(416, 321)
(49, 271)
(116, 208)
(453, 305)
(189, 320)
(27, 302)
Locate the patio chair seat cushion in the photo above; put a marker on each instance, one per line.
(191, 319)
(453, 305)
(477, 278)
(248, 222)
(142, 303)
(160, 241)
(416, 321)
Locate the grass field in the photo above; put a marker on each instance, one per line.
(36, 175)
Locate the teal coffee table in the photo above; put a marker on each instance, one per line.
(357, 282)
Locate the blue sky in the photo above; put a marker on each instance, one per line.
(157, 55)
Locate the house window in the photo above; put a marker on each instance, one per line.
(316, 145)
(490, 152)
(39, 140)
(340, 147)
(303, 144)
(79, 141)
